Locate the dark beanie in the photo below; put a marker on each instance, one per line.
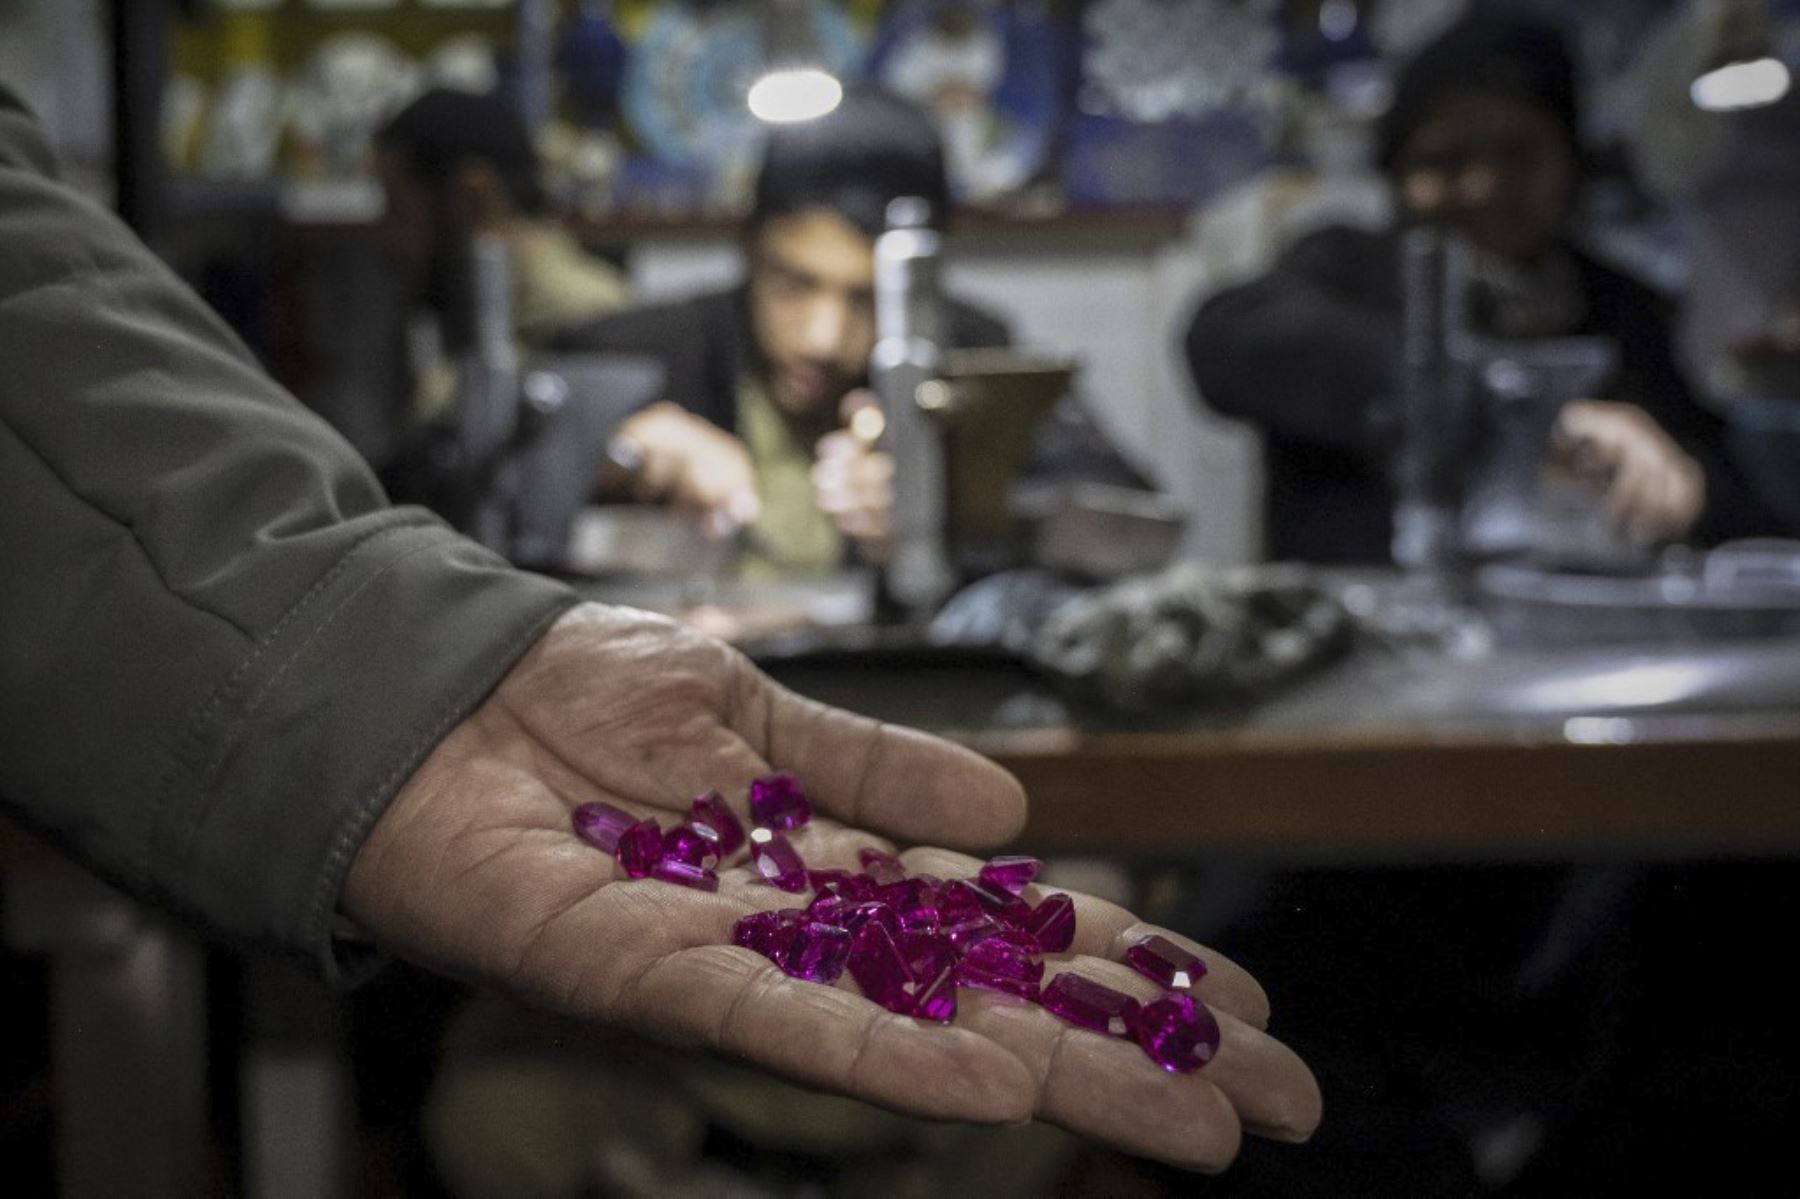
(1518, 58)
(442, 129)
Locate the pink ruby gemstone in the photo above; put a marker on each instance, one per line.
(855, 916)
(882, 868)
(1178, 1033)
(957, 904)
(967, 932)
(686, 874)
(817, 953)
(914, 902)
(876, 965)
(834, 880)
(995, 964)
(689, 846)
(778, 802)
(640, 848)
(927, 955)
(937, 998)
(1081, 1000)
(767, 932)
(1053, 923)
(1161, 960)
(1003, 905)
(1011, 874)
(711, 814)
(777, 861)
(601, 825)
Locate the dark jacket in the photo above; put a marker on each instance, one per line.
(221, 652)
(1309, 355)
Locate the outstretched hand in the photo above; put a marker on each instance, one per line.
(473, 871)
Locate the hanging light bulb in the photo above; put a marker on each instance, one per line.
(796, 86)
(795, 94)
(1741, 73)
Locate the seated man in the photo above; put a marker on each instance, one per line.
(456, 167)
(1481, 139)
(762, 378)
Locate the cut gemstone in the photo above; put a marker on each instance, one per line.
(1010, 874)
(687, 874)
(914, 902)
(1053, 923)
(876, 965)
(711, 814)
(640, 848)
(995, 964)
(1161, 960)
(601, 825)
(778, 802)
(1080, 1000)
(829, 907)
(817, 953)
(967, 932)
(957, 904)
(855, 916)
(768, 933)
(1178, 1032)
(834, 880)
(777, 861)
(883, 868)
(927, 955)
(937, 997)
(1004, 905)
(689, 846)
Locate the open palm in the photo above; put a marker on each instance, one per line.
(473, 871)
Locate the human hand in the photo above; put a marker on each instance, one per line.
(473, 871)
(693, 465)
(853, 483)
(1654, 491)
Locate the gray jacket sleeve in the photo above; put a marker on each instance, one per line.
(221, 652)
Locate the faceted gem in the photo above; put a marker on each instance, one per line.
(768, 933)
(957, 904)
(876, 965)
(1053, 923)
(1010, 874)
(601, 825)
(754, 930)
(994, 964)
(817, 953)
(1081, 1000)
(777, 861)
(778, 802)
(1178, 1032)
(883, 868)
(710, 813)
(687, 874)
(914, 902)
(1024, 941)
(640, 848)
(855, 916)
(830, 908)
(1004, 905)
(927, 955)
(937, 998)
(820, 880)
(1165, 962)
(967, 932)
(688, 845)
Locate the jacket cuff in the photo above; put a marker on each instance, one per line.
(301, 750)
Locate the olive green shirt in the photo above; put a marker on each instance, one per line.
(221, 652)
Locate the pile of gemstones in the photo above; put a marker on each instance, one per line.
(910, 941)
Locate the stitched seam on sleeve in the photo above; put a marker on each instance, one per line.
(194, 730)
